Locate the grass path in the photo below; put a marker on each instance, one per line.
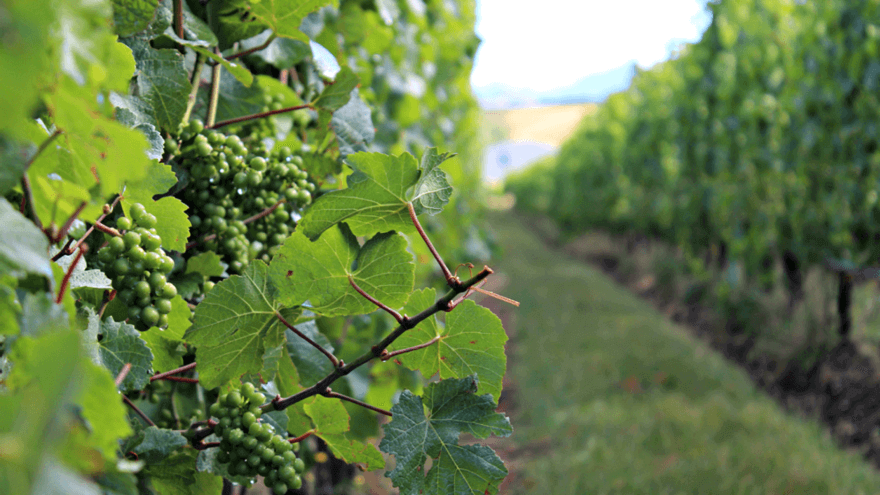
(610, 397)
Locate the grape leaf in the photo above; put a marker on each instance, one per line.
(311, 364)
(8, 308)
(237, 70)
(23, 248)
(378, 194)
(285, 16)
(328, 415)
(325, 63)
(134, 112)
(122, 344)
(132, 16)
(174, 224)
(353, 451)
(453, 408)
(167, 353)
(162, 82)
(278, 420)
(472, 342)
(338, 94)
(81, 277)
(431, 193)
(235, 324)
(177, 475)
(319, 271)
(207, 264)
(353, 125)
(157, 444)
(101, 407)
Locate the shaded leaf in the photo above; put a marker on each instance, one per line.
(285, 16)
(431, 193)
(338, 94)
(207, 264)
(311, 364)
(122, 344)
(282, 53)
(177, 475)
(136, 113)
(158, 444)
(412, 436)
(162, 82)
(23, 247)
(132, 16)
(353, 125)
(354, 451)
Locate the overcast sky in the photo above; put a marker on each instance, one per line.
(553, 43)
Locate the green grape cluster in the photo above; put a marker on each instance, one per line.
(138, 266)
(250, 447)
(254, 131)
(284, 178)
(231, 183)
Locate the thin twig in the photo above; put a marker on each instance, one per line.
(166, 374)
(389, 355)
(66, 227)
(252, 50)
(496, 296)
(181, 379)
(66, 280)
(107, 230)
(122, 374)
(203, 445)
(29, 194)
(314, 344)
(397, 316)
(257, 116)
(451, 279)
(63, 252)
(138, 411)
(178, 18)
(108, 296)
(332, 394)
(92, 228)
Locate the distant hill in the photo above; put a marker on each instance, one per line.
(591, 89)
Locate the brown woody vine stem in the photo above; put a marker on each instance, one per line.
(107, 230)
(252, 50)
(319, 388)
(138, 411)
(311, 342)
(451, 279)
(302, 437)
(79, 243)
(332, 394)
(178, 18)
(63, 252)
(388, 355)
(66, 227)
(181, 379)
(397, 316)
(166, 374)
(256, 115)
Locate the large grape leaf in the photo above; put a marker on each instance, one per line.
(311, 364)
(136, 113)
(23, 248)
(285, 16)
(412, 436)
(350, 450)
(174, 224)
(162, 81)
(206, 264)
(319, 271)
(121, 344)
(328, 415)
(235, 324)
(472, 342)
(378, 194)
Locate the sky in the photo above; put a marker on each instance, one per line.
(553, 43)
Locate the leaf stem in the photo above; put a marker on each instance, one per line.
(215, 94)
(66, 280)
(442, 304)
(397, 316)
(29, 195)
(122, 374)
(256, 115)
(63, 252)
(331, 394)
(138, 411)
(302, 437)
(388, 355)
(182, 369)
(451, 279)
(107, 230)
(181, 379)
(196, 81)
(314, 344)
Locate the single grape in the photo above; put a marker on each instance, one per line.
(123, 223)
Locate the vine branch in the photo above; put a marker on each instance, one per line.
(122, 374)
(107, 210)
(178, 18)
(66, 227)
(65, 282)
(215, 95)
(331, 394)
(182, 369)
(451, 279)
(138, 411)
(252, 50)
(388, 355)
(196, 81)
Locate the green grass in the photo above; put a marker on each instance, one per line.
(629, 403)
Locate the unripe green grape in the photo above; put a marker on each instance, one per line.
(127, 296)
(278, 460)
(163, 306)
(305, 196)
(167, 264)
(223, 457)
(196, 126)
(157, 280)
(144, 302)
(116, 245)
(131, 239)
(142, 289)
(263, 469)
(152, 260)
(148, 221)
(121, 266)
(296, 483)
(105, 255)
(254, 178)
(163, 321)
(137, 268)
(250, 442)
(207, 286)
(134, 313)
(168, 291)
(234, 399)
(286, 472)
(255, 430)
(214, 410)
(137, 211)
(136, 253)
(299, 465)
(149, 316)
(123, 223)
(257, 163)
